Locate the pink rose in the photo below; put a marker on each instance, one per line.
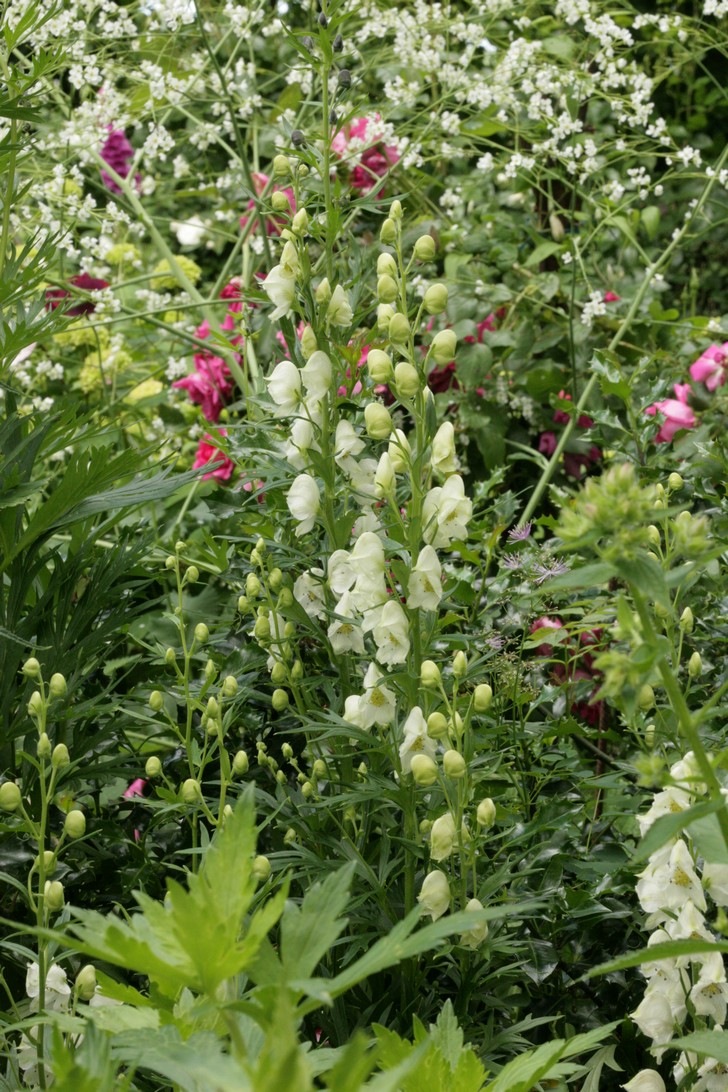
(209, 386)
(676, 411)
(710, 367)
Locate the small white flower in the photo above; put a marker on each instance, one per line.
(654, 1018)
(444, 460)
(669, 881)
(391, 634)
(346, 442)
(384, 477)
(317, 374)
(434, 894)
(378, 703)
(711, 990)
(647, 1080)
(304, 502)
(415, 739)
(442, 836)
(425, 581)
(281, 289)
(446, 512)
(339, 312)
(57, 990)
(344, 632)
(309, 592)
(473, 938)
(284, 386)
(367, 558)
(189, 232)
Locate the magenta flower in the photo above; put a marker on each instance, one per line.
(118, 153)
(711, 366)
(611, 297)
(54, 296)
(208, 453)
(372, 162)
(209, 386)
(676, 411)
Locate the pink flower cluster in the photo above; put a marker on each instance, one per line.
(576, 463)
(372, 158)
(711, 368)
(118, 153)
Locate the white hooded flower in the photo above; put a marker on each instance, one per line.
(280, 287)
(442, 836)
(317, 374)
(473, 938)
(711, 990)
(347, 443)
(344, 632)
(384, 477)
(377, 703)
(669, 881)
(367, 557)
(653, 1016)
(391, 634)
(361, 475)
(300, 440)
(354, 712)
(339, 312)
(446, 512)
(444, 460)
(715, 880)
(415, 739)
(341, 574)
(647, 1080)
(399, 451)
(669, 802)
(304, 502)
(425, 581)
(57, 990)
(309, 592)
(284, 387)
(434, 896)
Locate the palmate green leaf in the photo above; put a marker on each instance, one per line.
(355, 1062)
(197, 1064)
(309, 931)
(444, 1064)
(524, 1072)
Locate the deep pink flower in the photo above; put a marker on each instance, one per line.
(118, 153)
(135, 789)
(273, 224)
(54, 296)
(561, 417)
(373, 161)
(546, 622)
(208, 453)
(611, 297)
(676, 411)
(547, 443)
(711, 366)
(442, 378)
(209, 386)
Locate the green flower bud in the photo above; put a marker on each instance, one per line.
(210, 670)
(455, 725)
(289, 837)
(152, 767)
(287, 751)
(180, 546)
(49, 862)
(395, 210)
(482, 697)
(444, 346)
(425, 248)
(460, 665)
(309, 345)
(425, 827)
(86, 982)
(388, 232)
(687, 621)
(229, 686)
(54, 896)
(407, 379)
(649, 735)
(435, 299)
(319, 770)
(297, 671)
(378, 421)
(285, 599)
(695, 666)
(170, 562)
(454, 765)
(261, 868)
(646, 697)
(10, 797)
(74, 824)
(557, 228)
(675, 482)
(35, 705)
(275, 580)
(300, 222)
(60, 757)
(399, 328)
(379, 365)
(387, 290)
(281, 166)
(243, 604)
(156, 701)
(442, 837)
(212, 708)
(485, 813)
(307, 790)
(323, 292)
(473, 938)
(252, 586)
(279, 202)
(281, 777)
(262, 629)
(280, 700)
(289, 630)
(386, 265)
(170, 657)
(190, 791)
(424, 770)
(202, 633)
(31, 668)
(385, 311)
(240, 764)
(429, 675)
(653, 534)
(278, 672)
(437, 726)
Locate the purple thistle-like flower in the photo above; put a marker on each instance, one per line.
(511, 561)
(553, 568)
(520, 534)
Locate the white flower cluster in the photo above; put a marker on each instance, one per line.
(672, 891)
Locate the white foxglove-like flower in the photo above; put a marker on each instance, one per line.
(341, 573)
(377, 704)
(344, 632)
(284, 386)
(304, 502)
(309, 592)
(669, 881)
(367, 557)
(415, 739)
(715, 881)
(298, 443)
(354, 712)
(57, 990)
(670, 802)
(653, 1016)
(647, 1080)
(446, 512)
(347, 443)
(384, 477)
(425, 581)
(444, 460)
(473, 938)
(434, 894)
(361, 475)
(399, 451)
(339, 312)
(709, 993)
(391, 634)
(317, 374)
(280, 287)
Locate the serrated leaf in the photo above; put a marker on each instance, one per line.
(523, 1072)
